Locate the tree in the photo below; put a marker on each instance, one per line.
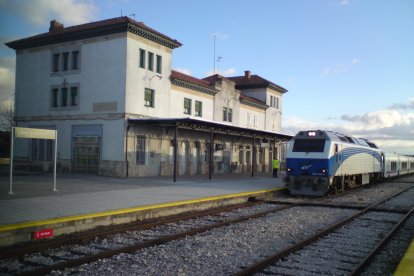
(6, 115)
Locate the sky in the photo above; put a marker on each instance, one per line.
(348, 65)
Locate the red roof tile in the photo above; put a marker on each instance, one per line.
(253, 100)
(94, 29)
(190, 79)
(175, 75)
(255, 81)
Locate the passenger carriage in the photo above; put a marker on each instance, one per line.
(396, 165)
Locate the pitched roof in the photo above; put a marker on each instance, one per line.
(214, 78)
(190, 82)
(255, 81)
(94, 29)
(253, 102)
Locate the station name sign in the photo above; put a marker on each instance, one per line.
(42, 234)
(24, 132)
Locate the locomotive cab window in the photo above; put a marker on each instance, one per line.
(311, 145)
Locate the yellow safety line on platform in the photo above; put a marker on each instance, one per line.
(34, 223)
(406, 266)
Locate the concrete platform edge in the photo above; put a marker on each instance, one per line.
(406, 265)
(20, 232)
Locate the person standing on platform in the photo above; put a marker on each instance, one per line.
(275, 166)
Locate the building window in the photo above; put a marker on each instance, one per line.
(55, 63)
(159, 64)
(248, 157)
(149, 97)
(141, 58)
(198, 108)
(41, 150)
(241, 154)
(34, 149)
(75, 60)
(150, 61)
(274, 102)
(74, 96)
(141, 150)
(251, 120)
(65, 61)
(187, 106)
(64, 97)
(55, 97)
(227, 114)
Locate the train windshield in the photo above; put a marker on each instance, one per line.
(308, 145)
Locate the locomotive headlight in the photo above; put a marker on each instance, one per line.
(323, 171)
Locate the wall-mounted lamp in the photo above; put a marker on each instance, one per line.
(158, 76)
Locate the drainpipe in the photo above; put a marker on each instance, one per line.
(254, 154)
(175, 153)
(210, 168)
(126, 149)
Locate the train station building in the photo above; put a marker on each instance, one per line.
(119, 108)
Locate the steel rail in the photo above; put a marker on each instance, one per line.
(141, 245)
(259, 266)
(367, 260)
(33, 247)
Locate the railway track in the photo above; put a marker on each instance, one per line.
(59, 255)
(84, 237)
(144, 244)
(345, 248)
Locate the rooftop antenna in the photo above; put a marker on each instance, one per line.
(133, 15)
(218, 64)
(214, 58)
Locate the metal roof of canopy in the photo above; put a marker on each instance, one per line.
(208, 126)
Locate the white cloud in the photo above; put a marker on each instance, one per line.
(183, 70)
(340, 69)
(220, 36)
(403, 106)
(292, 125)
(343, 2)
(230, 72)
(340, 3)
(392, 129)
(40, 12)
(355, 61)
(7, 76)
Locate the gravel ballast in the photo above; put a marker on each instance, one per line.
(220, 251)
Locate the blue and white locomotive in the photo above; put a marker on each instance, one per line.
(318, 161)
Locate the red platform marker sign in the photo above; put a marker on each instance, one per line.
(42, 234)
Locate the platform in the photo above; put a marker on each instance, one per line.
(86, 201)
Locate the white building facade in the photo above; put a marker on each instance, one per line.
(109, 90)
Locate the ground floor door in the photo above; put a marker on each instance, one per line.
(86, 153)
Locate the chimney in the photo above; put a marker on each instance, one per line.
(247, 74)
(55, 26)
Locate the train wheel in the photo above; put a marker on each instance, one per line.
(339, 184)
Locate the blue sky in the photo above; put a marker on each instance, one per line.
(348, 64)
